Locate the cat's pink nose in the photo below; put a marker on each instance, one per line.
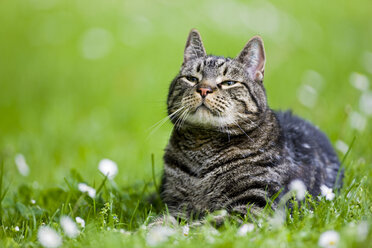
(204, 91)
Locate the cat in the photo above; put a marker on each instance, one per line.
(228, 150)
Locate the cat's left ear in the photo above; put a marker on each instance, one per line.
(194, 46)
(253, 57)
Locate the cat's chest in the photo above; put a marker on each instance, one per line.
(206, 193)
(210, 179)
(202, 155)
(210, 160)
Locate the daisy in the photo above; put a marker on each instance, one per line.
(327, 192)
(362, 231)
(185, 230)
(359, 81)
(329, 239)
(22, 166)
(342, 146)
(278, 219)
(365, 103)
(108, 168)
(69, 227)
(299, 188)
(85, 188)
(244, 229)
(357, 121)
(80, 221)
(48, 237)
(158, 235)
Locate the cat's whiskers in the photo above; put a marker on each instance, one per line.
(166, 118)
(178, 122)
(243, 131)
(188, 112)
(160, 123)
(179, 118)
(252, 122)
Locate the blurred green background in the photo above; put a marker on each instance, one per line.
(82, 80)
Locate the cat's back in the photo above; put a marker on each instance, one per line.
(307, 146)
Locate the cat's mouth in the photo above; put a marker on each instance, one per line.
(205, 115)
(202, 107)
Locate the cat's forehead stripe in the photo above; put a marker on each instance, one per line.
(211, 61)
(220, 62)
(198, 67)
(225, 70)
(215, 61)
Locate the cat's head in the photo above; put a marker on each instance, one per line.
(217, 92)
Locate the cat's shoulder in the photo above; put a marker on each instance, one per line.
(288, 121)
(300, 132)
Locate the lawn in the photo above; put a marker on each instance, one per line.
(82, 81)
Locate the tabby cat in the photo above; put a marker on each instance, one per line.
(228, 149)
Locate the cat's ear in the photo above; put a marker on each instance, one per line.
(253, 57)
(194, 46)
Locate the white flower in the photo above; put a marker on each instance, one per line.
(313, 78)
(365, 103)
(307, 95)
(327, 192)
(259, 223)
(278, 219)
(158, 235)
(362, 231)
(69, 227)
(244, 229)
(48, 237)
(220, 213)
(210, 234)
(299, 188)
(122, 231)
(16, 229)
(33, 201)
(85, 188)
(185, 230)
(213, 231)
(359, 81)
(108, 168)
(210, 239)
(329, 239)
(357, 121)
(80, 221)
(342, 146)
(22, 166)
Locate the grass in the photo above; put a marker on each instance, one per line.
(85, 80)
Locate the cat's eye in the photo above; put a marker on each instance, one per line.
(228, 83)
(192, 79)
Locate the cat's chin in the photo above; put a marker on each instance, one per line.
(203, 116)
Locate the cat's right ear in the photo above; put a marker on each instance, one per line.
(253, 57)
(194, 46)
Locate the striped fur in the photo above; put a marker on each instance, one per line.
(229, 150)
